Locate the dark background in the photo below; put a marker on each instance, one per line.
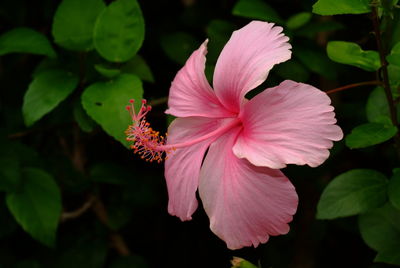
(155, 238)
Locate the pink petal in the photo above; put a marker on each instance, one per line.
(246, 204)
(182, 166)
(292, 123)
(246, 60)
(190, 93)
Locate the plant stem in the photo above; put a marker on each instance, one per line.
(382, 55)
(385, 76)
(367, 83)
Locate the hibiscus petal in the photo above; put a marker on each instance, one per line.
(246, 204)
(190, 93)
(182, 166)
(292, 123)
(246, 60)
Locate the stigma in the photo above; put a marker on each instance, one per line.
(146, 142)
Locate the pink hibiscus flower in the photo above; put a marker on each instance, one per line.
(245, 195)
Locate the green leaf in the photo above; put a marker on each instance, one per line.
(105, 102)
(336, 7)
(352, 54)
(370, 134)
(394, 67)
(352, 193)
(138, 66)
(37, 205)
(45, 92)
(129, 262)
(380, 229)
(241, 263)
(394, 189)
(256, 9)
(292, 70)
(178, 46)
(74, 22)
(316, 61)
(25, 40)
(377, 109)
(119, 31)
(394, 56)
(390, 256)
(298, 20)
(107, 71)
(84, 121)
(394, 78)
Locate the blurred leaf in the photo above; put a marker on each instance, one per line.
(394, 78)
(27, 264)
(352, 193)
(336, 7)
(45, 92)
(394, 189)
(256, 9)
(25, 40)
(129, 262)
(10, 169)
(316, 61)
(108, 172)
(241, 263)
(298, 20)
(352, 54)
(178, 46)
(87, 251)
(311, 29)
(74, 22)
(138, 66)
(380, 229)
(394, 56)
(292, 70)
(107, 71)
(218, 32)
(370, 134)
(119, 31)
(84, 121)
(105, 102)
(377, 108)
(170, 118)
(37, 205)
(390, 256)
(394, 68)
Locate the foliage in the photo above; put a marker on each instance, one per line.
(73, 193)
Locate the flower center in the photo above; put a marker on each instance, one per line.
(150, 145)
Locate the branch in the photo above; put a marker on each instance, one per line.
(386, 84)
(382, 56)
(368, 83)
(116, 239)
(78, 212)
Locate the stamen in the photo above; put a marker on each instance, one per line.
(146, 141)
(151, 146)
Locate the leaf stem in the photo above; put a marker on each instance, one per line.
(367, 83)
